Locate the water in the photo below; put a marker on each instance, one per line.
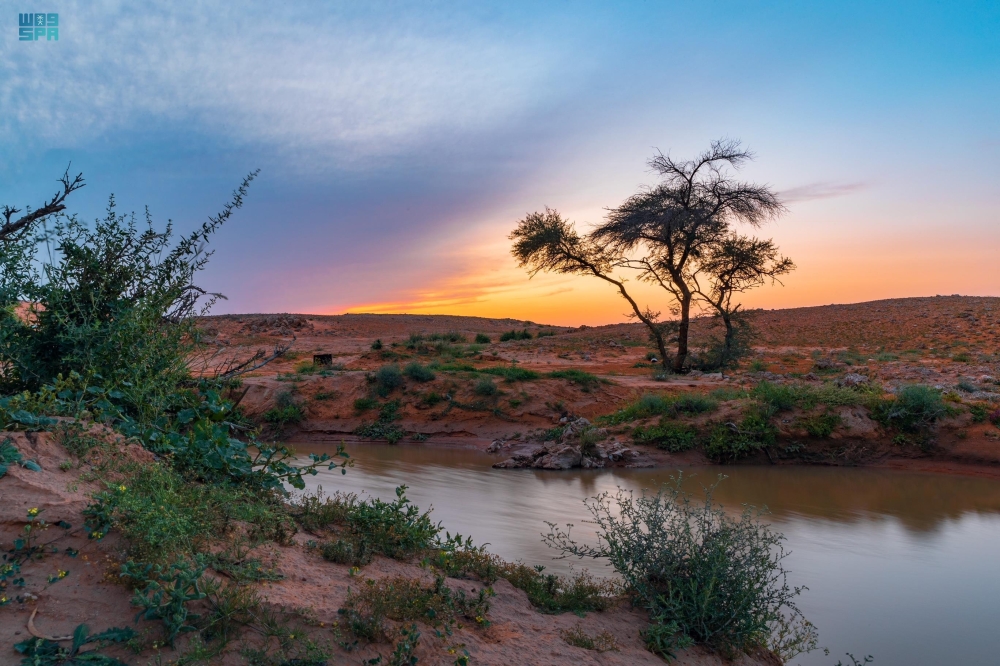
(902, 566)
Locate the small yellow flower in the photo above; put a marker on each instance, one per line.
(33, 512)
(122, 488)
(63, 574)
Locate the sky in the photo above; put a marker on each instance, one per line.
(399, 143)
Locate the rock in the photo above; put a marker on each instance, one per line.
(565, 458)
(810, 377)
(852, 379)
(575, 427)
(713, 375)
(695, 373)
(495, 446)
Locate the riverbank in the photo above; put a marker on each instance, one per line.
(73, 578)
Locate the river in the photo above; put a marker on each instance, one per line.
(902, 566)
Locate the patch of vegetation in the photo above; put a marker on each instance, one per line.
(914, 408)
(482, 339)
(578, 637)
(9, 455)
(731, 441)
(821, 425)
(285, 412)
(364, 404)
(668, 435)
(430, 398)
(512, 373)
(486, 388)
(655, 404)
(585, 379)
(43, 652)
(548, 592)
(396, 529)
(978, 411)
(757, 365)
(400, 599)
(387, 379)
(962, 357)
(515, 335)
(418, 373)
(377, 345)
(383, 427)
(704, 576)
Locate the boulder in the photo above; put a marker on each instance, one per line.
(852, 379)
(565, 458)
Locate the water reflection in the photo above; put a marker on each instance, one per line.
(899, 565)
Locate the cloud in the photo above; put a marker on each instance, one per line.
(335, 85)
(821, 190)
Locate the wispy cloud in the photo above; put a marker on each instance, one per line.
(814, 191)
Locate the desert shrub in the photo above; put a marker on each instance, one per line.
(578, 637)
(485, 387)
(731, 441)
(396, 529)
(512, 373)
(781, 397)
(450, 336)
(364, 404)
(383, 427)
(979, 413)
(482, 339)
(307, 368)
(655, 404)
(377, 345)
(821, 425)
(515, 335)
(757, 365)
(715, 579)
(886, 356)
(585, 379)
(668, 435)
(962, 357)
(727, 393)
(388, 378)
(549, 593)
(402, 599)
(285, 412)
(418, 373)
(966, 386)
(914, 408)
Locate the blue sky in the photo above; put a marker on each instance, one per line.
(399, 143)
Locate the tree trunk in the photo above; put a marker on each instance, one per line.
(682, 333)
(727, 345)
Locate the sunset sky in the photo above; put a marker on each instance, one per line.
(399, 143)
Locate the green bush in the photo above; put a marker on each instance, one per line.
(418, 373)
(668, 436)
(585, 379)
(731, 441)
(914, 408)
(708, 577)
(512, 373)
(821, 425)
(515, 335)
(377, 345)
(388, 378)
(979, 413)
(395, 529)
(285, 412)
(485, 387)
(364, 404)
(482, 339)
(655, 404)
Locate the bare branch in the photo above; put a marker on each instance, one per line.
(12, 229)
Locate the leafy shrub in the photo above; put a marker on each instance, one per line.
(364, 404)
(515, 335)
(377, 345)
(395, 529)
(578, 637)
(655, 404)
(388, 378)
(431, 398)
(401, 599)
(703, 574)
(584, 379)
(757, 365)
(485, 387)
(512, 373)
(166, 593)
(285, 412)
(43, 652)
(979, 413)
(915, 408)
(821, 425)
(547, 592)
(781, 397)
(482, 339)
(693, 403)
(966, 386)
(668, 436)
(962, 357)
(731, 441)
(307, 368)
(418, 372)
(9, 455)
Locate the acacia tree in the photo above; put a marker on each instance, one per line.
(663, 233)
(735, 265)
